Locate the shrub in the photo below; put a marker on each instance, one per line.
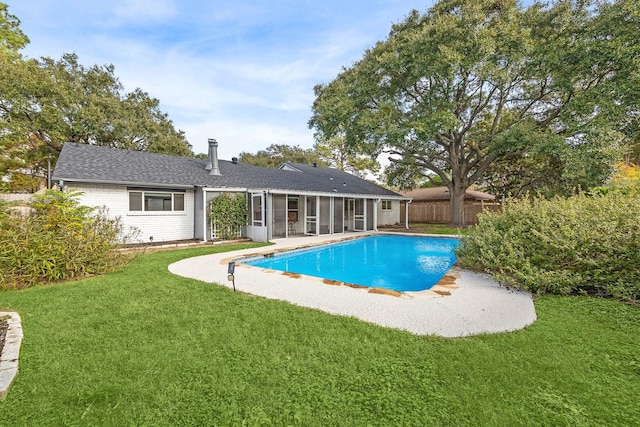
(581, 244)
(58, 240)
(228, 214)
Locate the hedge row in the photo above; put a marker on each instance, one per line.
(58, 240)
(586, 244)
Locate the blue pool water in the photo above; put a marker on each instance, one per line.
(400, 263)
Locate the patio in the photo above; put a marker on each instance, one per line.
(478, 304)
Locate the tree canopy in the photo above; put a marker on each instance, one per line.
(337, 154)
(276, 154)
(555, 169)
(45, 103)
(12, 39)
(472, 83)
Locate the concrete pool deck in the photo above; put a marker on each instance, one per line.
(476, 304)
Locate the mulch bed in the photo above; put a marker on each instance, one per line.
(4, 327)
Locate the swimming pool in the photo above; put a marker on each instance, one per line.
(399, 263)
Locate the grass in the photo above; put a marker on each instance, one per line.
(436, 229)
(143, 347)
(424, 228)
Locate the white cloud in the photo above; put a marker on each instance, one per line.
(241, 72)
(236, 135)
(142, 11)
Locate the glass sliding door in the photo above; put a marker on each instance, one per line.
(359, 215)
(370, 219)
(338, 215)
(349, 213)
(311, 215)
(279, 217)
(325, 215)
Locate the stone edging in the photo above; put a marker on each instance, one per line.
(10, 352)
(443, 288)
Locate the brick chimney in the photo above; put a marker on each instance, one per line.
(212, 158)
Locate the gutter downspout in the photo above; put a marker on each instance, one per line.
(317, 213)
(204, 214)
(406, 214)
(195, 211)
(268, 208)
(375, 214)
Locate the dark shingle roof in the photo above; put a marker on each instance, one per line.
(89, 163)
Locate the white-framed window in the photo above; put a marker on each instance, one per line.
(386, 205)
(156, 201)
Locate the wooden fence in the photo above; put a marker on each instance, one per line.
(440, 212)
(18, 202)
(15, 197)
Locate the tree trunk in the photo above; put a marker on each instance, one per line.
(457, 206)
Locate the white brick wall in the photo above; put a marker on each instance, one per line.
(389, 217)
(162, 226)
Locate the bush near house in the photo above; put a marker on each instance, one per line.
(58, 239)
(228, 214)
(582, 244)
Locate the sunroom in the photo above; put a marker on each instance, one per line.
(274, 214)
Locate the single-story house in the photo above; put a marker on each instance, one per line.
(432, 205)
(166, 197)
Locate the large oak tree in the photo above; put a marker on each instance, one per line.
(45, 103)
(338, 154)
(473, 82)
(12, 39)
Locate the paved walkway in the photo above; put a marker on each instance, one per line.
(476, 303)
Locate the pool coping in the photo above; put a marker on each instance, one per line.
(480, 305)
(443, 287)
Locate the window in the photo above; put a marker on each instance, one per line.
(178, 202)
(135, 201)
(155, 201)
(386, 205)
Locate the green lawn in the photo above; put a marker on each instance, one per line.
(418, 227)
(436, 229)
(143, 347)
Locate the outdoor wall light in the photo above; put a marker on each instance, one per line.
(230, 274)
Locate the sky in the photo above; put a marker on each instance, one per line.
(240, 71)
